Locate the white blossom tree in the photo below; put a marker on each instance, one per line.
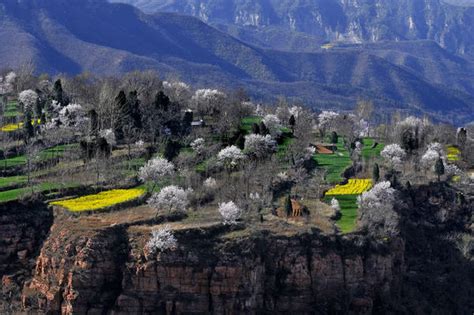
(178, 91)
(394, 155)
(198, 145)
(72, 115)
(171, 198)
(376, 208)
(207, 101)
(230, 157)
(109, 136)
(230, 212)
(327, 121)
(156, 170)
(272, 122)
(28, 99)
(259, 146)
(162, 239)
(335, 205)
(210, 183)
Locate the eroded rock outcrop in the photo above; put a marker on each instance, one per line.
(23, 227)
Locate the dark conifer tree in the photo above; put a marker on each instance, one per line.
(255, 129)
(288, 206)
(122, 115)
(134, 109)
(58, 92)
(439, 168)
(375, 173)
(28, 126)
(263, 129)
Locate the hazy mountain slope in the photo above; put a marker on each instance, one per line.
(89, 35)
(452, 26)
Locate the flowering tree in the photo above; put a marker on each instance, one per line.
(230, 212)
(28, 99)
(377, 208)
(178, 91)
(207, 101)
(109, 136)
(198, 145)
(433, 152)
(393, 155)
(230, 157)
(335, 205)
(327, 120)
(155, 170)
(210, 183)
(272, 122)
(6, 84)
(72, 115)
(259, 146)
(172, 198)
(411, 132)
(161, 239)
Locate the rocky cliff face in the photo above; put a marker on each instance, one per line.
(88, 265)
(22, 231)
(108, 271)
(353, 21)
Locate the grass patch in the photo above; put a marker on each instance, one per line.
(15, 194)
(347, 222)
(335, 164)
(12, 181)
(43, 156)
(371, 153)
(247, 123)
(11, 110)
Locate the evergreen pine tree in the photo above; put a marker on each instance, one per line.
(439, 168)
(28, 126)
(122, 115)
(240, 142)
(292, 123)
(162, 102)
(134, 109)
(375, 173)
(263, 129)
(58, 92)
(288, 206)
(255, 129)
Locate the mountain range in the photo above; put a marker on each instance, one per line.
(307, 24)
(59, 36)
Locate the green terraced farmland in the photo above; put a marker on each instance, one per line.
(348, 221)
(15, 194)
(11, 110)
(371, 153)
(12, 181)
(248, 122)
(335, 164)
(45, 155)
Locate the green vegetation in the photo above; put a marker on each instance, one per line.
(12, 181)
(248, 122)
(14, 194)
(348, 204)
(368, 152)
(43, 156)
(335, 164)
(11, 110)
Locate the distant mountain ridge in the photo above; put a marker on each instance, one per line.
(89, 35)
(260, 22)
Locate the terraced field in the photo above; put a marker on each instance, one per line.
(334, 164)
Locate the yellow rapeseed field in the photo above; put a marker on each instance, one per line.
(353, 187)
(453, 154)
(101, 200)
(15, 127)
